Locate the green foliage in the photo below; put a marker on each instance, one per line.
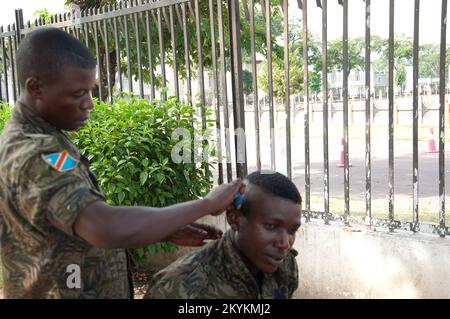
(400, 75)
(43, 14)
(155, 61)
(247, 82)
(279, 78)
(129, 147)
(5, 114)
(355, 54)
(429, 59)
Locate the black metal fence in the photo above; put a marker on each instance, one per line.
(152, 49)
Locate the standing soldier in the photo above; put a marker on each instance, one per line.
(53, 215)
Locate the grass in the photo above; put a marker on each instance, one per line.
(379, 208)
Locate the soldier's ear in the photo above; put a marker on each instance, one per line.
(233, 219)
(33, 87)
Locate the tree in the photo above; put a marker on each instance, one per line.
(295, 40)
(403, 52)
(429, 58)
(260, 39)
(355, 54)
(400, 77)
(247, 79)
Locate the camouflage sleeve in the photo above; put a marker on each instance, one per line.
(162, 287)
(45, 194)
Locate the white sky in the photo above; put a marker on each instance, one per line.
(29, 7)
(429, 20)
(430, 13)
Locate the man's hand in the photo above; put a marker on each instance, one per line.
(194, 235)
(221, 198)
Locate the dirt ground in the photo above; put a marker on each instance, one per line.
(141, 281)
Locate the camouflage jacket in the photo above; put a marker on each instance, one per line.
(217, 271)
(44, 183)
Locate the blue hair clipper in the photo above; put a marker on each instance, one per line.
(239, 200)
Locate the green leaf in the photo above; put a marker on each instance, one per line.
(143, 177)
(121, 197)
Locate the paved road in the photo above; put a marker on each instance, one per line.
(428, 163)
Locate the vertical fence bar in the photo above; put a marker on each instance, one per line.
(200, 64)
(150, 55)
(161, 55)
(99, 64)
(76, 26)
(270, 84)
(5, 67)
(12, 64)
(127, 46)
(201, 79)
(237, 88)
(1, 89)
(215, 89)
(368, 166)
(255, 83)
(345, 113)
(306, 107)
(139, 57)
(415, 224)
(117, 43)
(86, 29)
(108, 62)
(174, 53)
(19, 27)
(442, 119)
(391, 115)
(287, 89)
(326, 167)
(186, 55)
(223, 84)
(62, 18)
(3, 62)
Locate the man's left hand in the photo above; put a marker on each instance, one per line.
(194, 235)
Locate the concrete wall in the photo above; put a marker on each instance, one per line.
(352, 262)
(340, 262)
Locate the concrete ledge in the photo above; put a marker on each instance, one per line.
(350, 262)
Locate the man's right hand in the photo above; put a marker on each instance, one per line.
(221, 198)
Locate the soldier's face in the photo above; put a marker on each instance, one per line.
(266, 233)
(66, 102)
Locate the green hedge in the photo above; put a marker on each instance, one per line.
(129, 146)
(5, 113)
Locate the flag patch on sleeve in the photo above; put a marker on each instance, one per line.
(61, 161)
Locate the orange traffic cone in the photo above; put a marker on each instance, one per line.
(342, 160)
(431, 144)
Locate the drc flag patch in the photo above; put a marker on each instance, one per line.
(62, 161)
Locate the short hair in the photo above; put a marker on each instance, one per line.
(274, 183)
(43, 53)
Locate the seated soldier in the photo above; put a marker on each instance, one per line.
(254, 259)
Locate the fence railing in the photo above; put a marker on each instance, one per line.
(152, 49)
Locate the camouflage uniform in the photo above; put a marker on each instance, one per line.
(217, 271)
(38, 208)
